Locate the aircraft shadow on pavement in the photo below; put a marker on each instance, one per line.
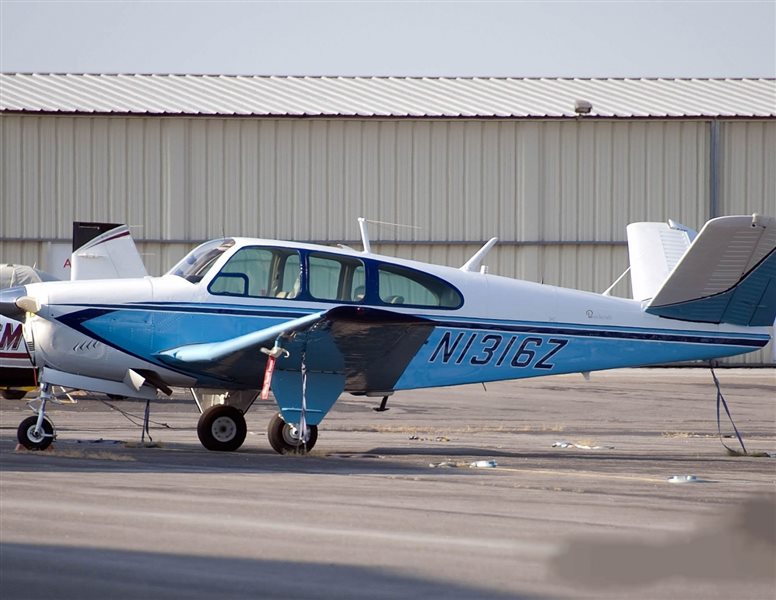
(580, 456)
(34, 571)
(69, 456)
(108, 457)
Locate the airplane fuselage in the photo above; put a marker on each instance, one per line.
(486, 327)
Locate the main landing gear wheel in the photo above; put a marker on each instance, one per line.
(13, 394)
(285, 438)
(222, 428)
(35, 441)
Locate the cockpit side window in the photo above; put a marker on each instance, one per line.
(259, 273)
(399, 285)
(196, 264)
(334, 277)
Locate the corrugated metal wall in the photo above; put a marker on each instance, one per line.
(557, 193)
(748, 178)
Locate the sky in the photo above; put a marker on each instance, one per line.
(448, 39)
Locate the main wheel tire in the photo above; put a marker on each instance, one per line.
(222, 428)
(13, 394)
(27, 437)
(284, 438)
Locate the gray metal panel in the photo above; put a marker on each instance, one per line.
(455, 181)
(749, 185)
(749, 167)
(385, 97)
(175, 179)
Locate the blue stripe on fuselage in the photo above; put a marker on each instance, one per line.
(461, 350)
(624, 332)
(458, 355)
(142, 330)
(635, 333)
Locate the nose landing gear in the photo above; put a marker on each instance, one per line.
(37, 432)
(34, 438)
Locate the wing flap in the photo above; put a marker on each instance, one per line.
(375, 345)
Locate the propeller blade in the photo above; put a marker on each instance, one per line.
(8, 306)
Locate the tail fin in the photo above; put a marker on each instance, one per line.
(727, 275)
(104, 251)
(654, 249)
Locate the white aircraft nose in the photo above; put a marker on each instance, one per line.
(8, 306)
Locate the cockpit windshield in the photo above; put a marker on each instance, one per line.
(197, 263)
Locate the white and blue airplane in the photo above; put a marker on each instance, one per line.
(239, 317)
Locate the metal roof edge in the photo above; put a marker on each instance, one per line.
(339, 117)
(386, 97)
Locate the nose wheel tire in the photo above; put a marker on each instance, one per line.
(285, 439)
(222, 428)
(35, 441)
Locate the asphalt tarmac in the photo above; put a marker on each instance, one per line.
(581, 504)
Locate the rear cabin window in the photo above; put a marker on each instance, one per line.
(337, 278)
(399, 285)
(259, 273)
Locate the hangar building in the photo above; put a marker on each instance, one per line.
(556, 168)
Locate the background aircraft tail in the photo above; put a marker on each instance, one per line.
(654, 249)
(727, 274)
(104, 251)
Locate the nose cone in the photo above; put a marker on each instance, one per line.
(8, 306)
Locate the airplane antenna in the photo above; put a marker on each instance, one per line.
(364, 235)
(393, 224)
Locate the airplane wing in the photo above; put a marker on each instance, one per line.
(200, 355)
(371, 347)
(355, 349)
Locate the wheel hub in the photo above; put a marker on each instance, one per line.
(224, 429)
(35, 437)
(291, 435)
